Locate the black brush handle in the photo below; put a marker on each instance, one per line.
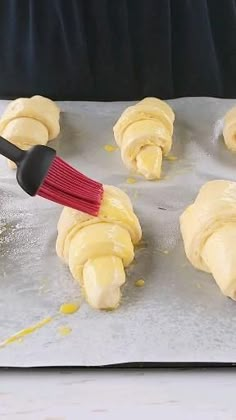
(10, 151)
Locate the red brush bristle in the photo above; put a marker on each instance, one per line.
(65, 185)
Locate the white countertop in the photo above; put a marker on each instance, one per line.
(118, 394)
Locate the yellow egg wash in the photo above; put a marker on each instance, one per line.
(117, 206)
(171, 158)
(101, 248)
(64, 330)
(21, 334)
(110, 148)
(131, 181)
(140, 283)
(69, 308)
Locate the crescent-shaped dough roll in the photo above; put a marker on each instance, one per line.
(229, 129)
(208, 227)
(144, 134)
(97, 249)
(30, 121)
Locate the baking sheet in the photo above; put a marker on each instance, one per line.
(180, 314)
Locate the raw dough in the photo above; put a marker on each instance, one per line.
(97, 249)
(229, 130)
(208, 227)
(144, 134)
(30, 121)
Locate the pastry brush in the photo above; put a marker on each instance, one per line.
(41, 172)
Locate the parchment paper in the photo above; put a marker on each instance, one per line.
(180, 314)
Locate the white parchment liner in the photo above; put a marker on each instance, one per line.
(180, 314)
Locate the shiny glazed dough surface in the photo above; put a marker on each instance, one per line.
(97, 249)
(30, 121)
(144, 135)
(208, 227)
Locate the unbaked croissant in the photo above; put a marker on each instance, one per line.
(229, 130)
(144, 134)
(30, 121)
(97, 249)
(208, 228)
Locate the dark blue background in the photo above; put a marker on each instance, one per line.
(117, 49)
